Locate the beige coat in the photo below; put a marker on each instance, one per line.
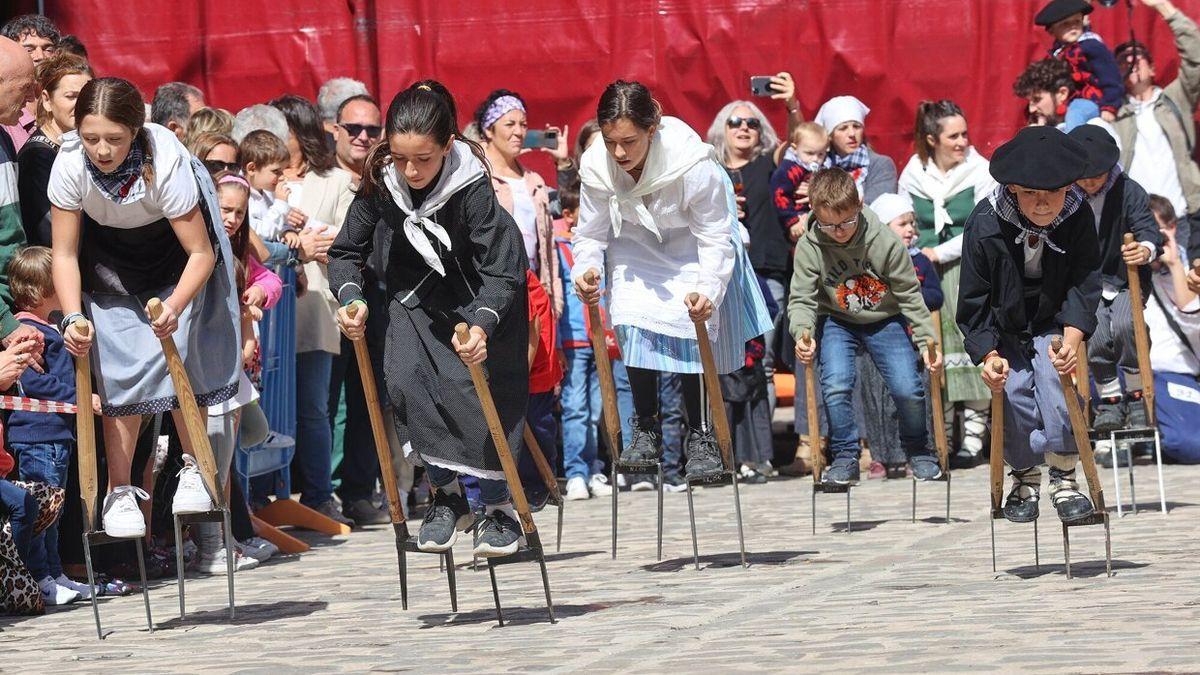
(548, 268)
(324, 199)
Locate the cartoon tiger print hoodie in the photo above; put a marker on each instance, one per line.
(866, 280)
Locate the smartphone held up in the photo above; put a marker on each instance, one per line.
(538, 139)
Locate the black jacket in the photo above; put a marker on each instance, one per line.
(1126, 209)
(991, 292)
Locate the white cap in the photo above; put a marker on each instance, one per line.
(890, 206)
(841, 109)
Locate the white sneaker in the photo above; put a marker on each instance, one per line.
(54, 594)
(84, 591)
(668, 486)
(642, 485)
(621, 483)
(121, 516)
(258, 548)
(216, 563)
(577, 489)
(191, 496)
(599, 485)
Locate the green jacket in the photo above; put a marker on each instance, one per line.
(868, 279)
(12, 233)
(1173, 111)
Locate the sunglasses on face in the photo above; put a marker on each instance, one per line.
(214, 166)
(355, 130)
(836, 227)
(750, 122)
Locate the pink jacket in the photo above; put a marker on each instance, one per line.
(272, 285)
(548, 272)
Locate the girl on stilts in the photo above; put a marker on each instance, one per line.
(157, 234)
(657, 214)
(453, 255)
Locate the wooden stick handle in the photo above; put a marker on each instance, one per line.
(939, 419)
(608, 387)
(1141, 337)
(712, 384)
(516, 491)
(996, 463)
(85, 433)
(375, 411)
(1079, 430)
(815, 444)
(543, 464)
(195, 426)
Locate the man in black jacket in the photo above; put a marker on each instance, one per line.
(1120, 205)
(1031, 272)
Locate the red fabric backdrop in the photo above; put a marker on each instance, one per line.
(695, 54)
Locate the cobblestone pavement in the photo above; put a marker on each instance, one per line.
(890, 596)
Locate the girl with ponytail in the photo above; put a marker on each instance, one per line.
(451, 255)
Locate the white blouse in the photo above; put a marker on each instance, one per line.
(172, 193)
(648, 279)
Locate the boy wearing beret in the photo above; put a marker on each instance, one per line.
(1093, 66)
(1030, 272)
(1119, 206)
(854, 289)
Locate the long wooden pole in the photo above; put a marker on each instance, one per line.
(85, 433)
(608, 387)
(712, 384)
(816, 447)
(939, 419)
(1079, 430)
(378, 429)
(1141, 338)
(517, 492)
(996, 465)
(1083, 381)
(195, 426)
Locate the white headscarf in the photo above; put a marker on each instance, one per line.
(460, 170)
(841, 109)
(674, 149)
(890, 206)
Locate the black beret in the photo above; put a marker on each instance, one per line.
(1057, 10)
(1040, 158)
(1102, 151)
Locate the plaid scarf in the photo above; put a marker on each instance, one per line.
(1113, 174)
(855, 160)
(1006, 207)
(116, 185)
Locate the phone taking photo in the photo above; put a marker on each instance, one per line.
(538, 139)
(760, 85)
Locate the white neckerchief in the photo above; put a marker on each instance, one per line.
(461, 169)
(928, 182)
(674, 150)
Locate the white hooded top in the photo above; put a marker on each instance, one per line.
(665, 236)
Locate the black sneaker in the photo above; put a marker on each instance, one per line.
(1136, 410)
(499, 535)
(646, 444)
(1110, 415)
(895, 471)
(363, 512)
(925, 466)
(447, 515)
(1071, 504)
(1021, 505)
(703, 456)
(843, 471)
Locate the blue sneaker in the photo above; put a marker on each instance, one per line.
(843, 471)
(925, 466)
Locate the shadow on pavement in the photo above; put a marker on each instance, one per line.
(723, 560)
(1087, 569)
(247, 615)
(528, 615)
(856, 525)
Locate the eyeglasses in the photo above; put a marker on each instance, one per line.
(355, 130)
(836, 227)
(215, 165)
(751, 122)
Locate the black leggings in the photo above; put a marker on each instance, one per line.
(644, 385)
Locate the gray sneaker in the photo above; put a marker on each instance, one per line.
(499, 535)
(330, 510)
(843, 471)
(703, 455)
(363, 512)
(925, 466)
(446, 516)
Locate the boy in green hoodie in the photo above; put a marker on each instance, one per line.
(854, 289)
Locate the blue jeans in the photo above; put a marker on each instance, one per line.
(892, 350)
(21, 509)
(314, 439)
(1079, 111)
(44, 463)
(539, 415)
(1178, 407)
(489, 492)
(670, 407)
(581, 405)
